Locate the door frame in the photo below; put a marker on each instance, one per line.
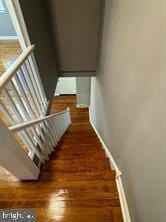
(17, 18)
(18, 21)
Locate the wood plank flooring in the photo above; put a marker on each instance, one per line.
(75, 185)
(9, 51)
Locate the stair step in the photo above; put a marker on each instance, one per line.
(80, 129)
(77, 155)
(76, 165)
(77, 141)
(68, 203)
(78, 176)
(79, 137)
(78, 190)
(80, 161)
(80, 150)
(81, 145)
(78, 214)
(78, 132)
(60, 195)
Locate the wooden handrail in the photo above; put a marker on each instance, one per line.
(25, 125)
(7, 76)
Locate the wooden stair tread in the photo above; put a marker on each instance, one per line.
(85, 146)
(110, 215)
(78, 175)
(73, 154)
(69, 203)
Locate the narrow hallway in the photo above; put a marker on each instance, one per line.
(76, 185)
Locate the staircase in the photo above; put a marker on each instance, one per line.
(82, 171)
(27, 135)
(74, 180)
(76, 184)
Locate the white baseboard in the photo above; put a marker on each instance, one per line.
(114, 166)
(8, 38)
(82, 106)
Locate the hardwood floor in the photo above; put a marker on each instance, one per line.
(9, 51)
(75, 185)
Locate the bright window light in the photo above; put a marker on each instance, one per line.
(2, 8)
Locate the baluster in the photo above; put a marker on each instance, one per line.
(35, 81)
(54, 128)
(32, 145)
(32, 88)
(49, 138)
(25, 85)
(6, 114)
(53, 132)
(32, 115)
(37, 77)
(50, 133)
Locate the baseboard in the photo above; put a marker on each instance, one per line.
(8, 38)
(114, 166)
(82, 106)
(61, 94)
(123, 200)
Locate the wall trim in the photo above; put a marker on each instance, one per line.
(78, 74)
(18, 21)
(114, 166)
(8, 38)
(82, 106)
(17, 18)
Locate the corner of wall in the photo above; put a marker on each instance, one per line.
(114, 166)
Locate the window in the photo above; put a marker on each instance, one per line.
(2, 8)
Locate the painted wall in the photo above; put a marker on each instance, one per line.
(83, 90)
(75, 27)
(128, 101)
(36, 21)
(66, 85)
(6, 26)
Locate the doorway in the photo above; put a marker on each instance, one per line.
(10, 47)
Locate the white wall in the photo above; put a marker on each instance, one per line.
(128, 101)
(6, 26)
(66, 86)
(83, 91)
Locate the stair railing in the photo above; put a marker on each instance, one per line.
(23, 106)
(53, 127)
